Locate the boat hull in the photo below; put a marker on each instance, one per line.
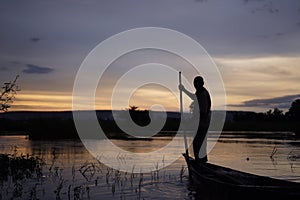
(216, 182)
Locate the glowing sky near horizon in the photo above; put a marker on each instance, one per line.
(255, 44)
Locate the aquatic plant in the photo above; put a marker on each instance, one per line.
(293, 156)
(182, 171)
(82, 180)
(59, 188)
(273, 152)
(15, 169)
(88, 170)
(19, 167)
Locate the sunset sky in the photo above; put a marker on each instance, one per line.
(254, 43)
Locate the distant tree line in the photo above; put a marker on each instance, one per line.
(272, 120)
(293, 114)
(294, 111)
(64, 128)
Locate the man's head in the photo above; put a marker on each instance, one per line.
(198, 82)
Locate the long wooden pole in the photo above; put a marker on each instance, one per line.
(180, 95)
(181, 114)
(184, 135)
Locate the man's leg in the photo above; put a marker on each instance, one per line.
(203, 147)
(200, 142)
(196, 145)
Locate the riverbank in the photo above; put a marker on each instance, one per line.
(60, 125)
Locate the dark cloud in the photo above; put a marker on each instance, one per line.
(283, 102)
(33, 69)
(34, 39)
(4, 68)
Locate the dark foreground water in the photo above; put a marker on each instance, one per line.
(70, 172)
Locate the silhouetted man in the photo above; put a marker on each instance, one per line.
(203, 106)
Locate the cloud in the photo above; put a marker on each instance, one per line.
(283, 102)
(226, 29)
(4, 69)
(34, 39)
(34, 69)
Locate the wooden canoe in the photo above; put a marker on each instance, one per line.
(216, 182)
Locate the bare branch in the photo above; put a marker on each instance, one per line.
(7, 94)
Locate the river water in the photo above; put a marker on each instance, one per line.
(70, 172)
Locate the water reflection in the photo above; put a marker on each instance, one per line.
(70, 171)
(143, 146)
